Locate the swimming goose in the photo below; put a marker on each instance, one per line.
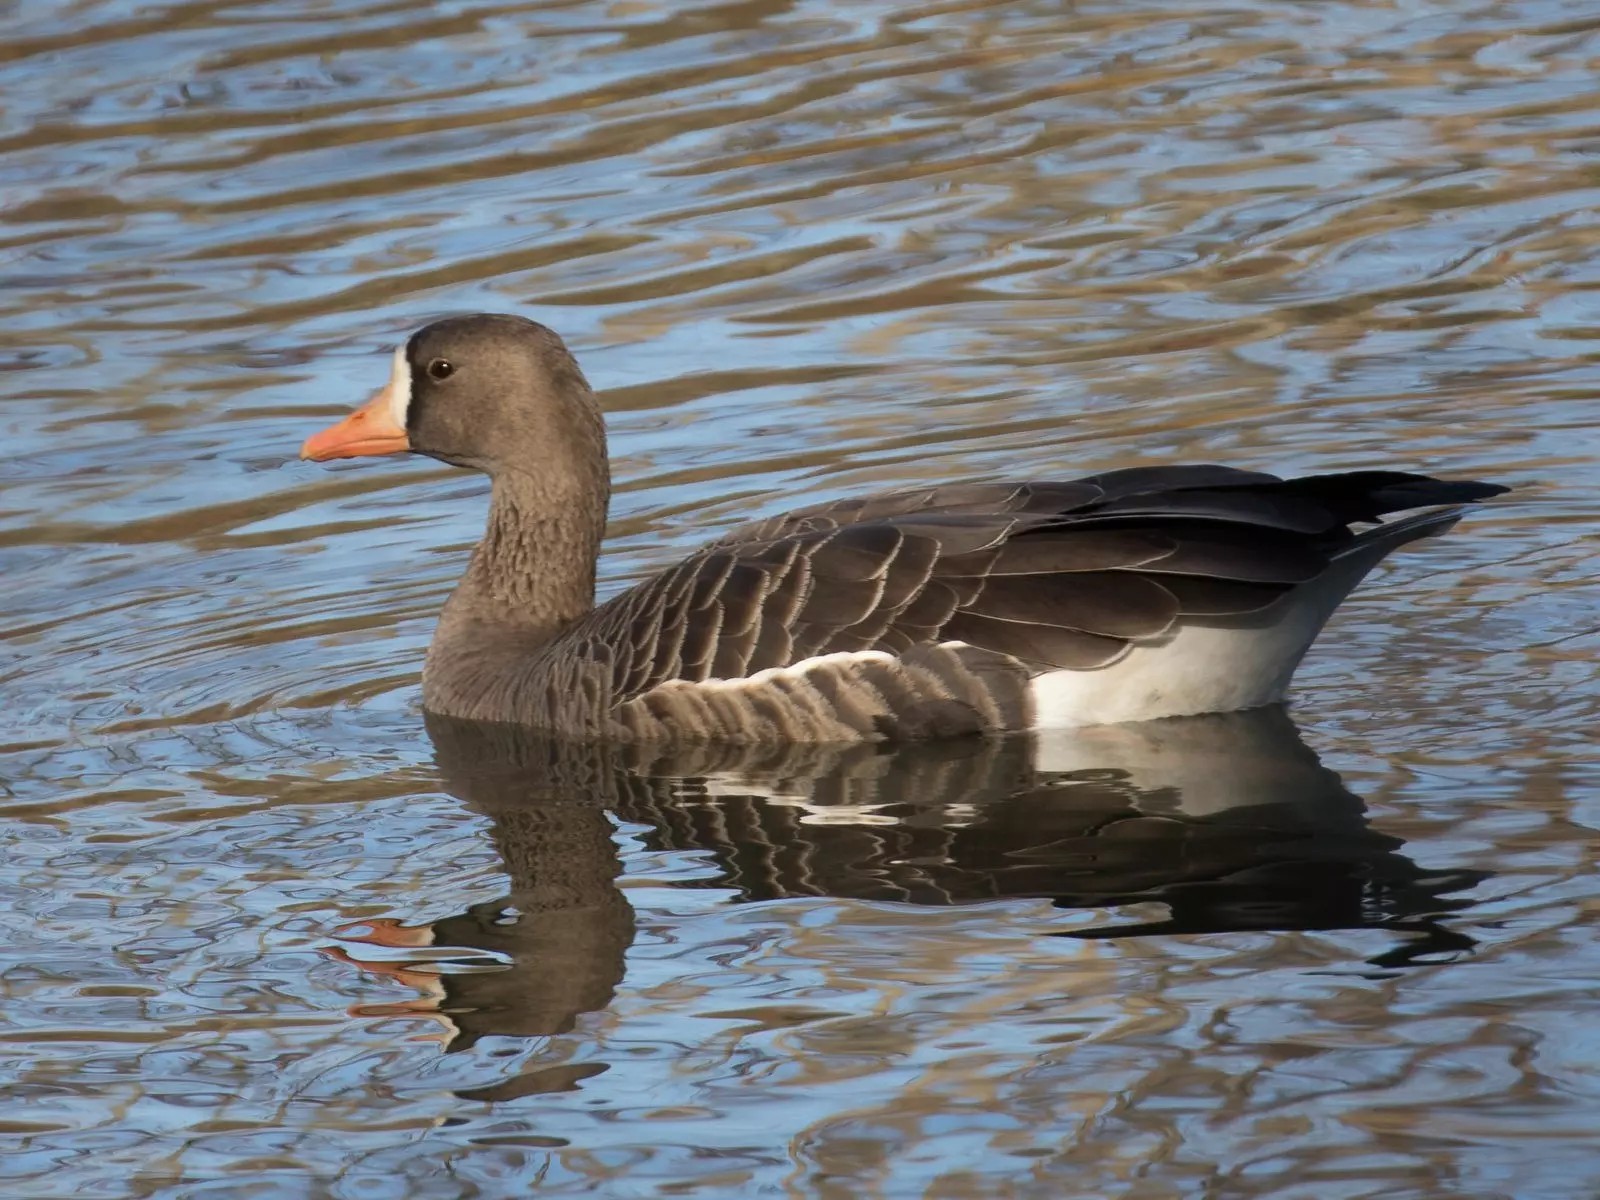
(934, 611)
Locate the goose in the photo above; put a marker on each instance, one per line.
(928, 612)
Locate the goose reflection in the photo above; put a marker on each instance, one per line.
(1229, 820)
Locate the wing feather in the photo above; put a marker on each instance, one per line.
(1046, 647)
(1110, 603)
(1040, 575)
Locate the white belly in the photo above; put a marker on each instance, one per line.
(1242, 662)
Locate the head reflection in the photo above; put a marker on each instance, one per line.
(1228, 821)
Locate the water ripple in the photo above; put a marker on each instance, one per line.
(802, 249)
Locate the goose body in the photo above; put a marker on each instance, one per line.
(967, 608)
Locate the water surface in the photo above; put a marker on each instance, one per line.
(267, 932)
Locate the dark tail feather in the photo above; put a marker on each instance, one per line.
(1368, 495)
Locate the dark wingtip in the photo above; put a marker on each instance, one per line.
(1421, 491)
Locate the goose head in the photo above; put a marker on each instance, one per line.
(490, 392)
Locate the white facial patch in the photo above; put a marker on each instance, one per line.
(399, 388)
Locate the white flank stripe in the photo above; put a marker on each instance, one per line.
(763, 678)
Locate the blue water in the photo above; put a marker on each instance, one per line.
(803, 249)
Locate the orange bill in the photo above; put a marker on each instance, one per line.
(377, 427)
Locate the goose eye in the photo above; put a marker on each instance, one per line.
(441, 368)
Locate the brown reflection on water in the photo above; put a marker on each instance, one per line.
(803, 249)
(1229, 821)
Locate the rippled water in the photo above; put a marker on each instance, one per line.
(265, 932)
